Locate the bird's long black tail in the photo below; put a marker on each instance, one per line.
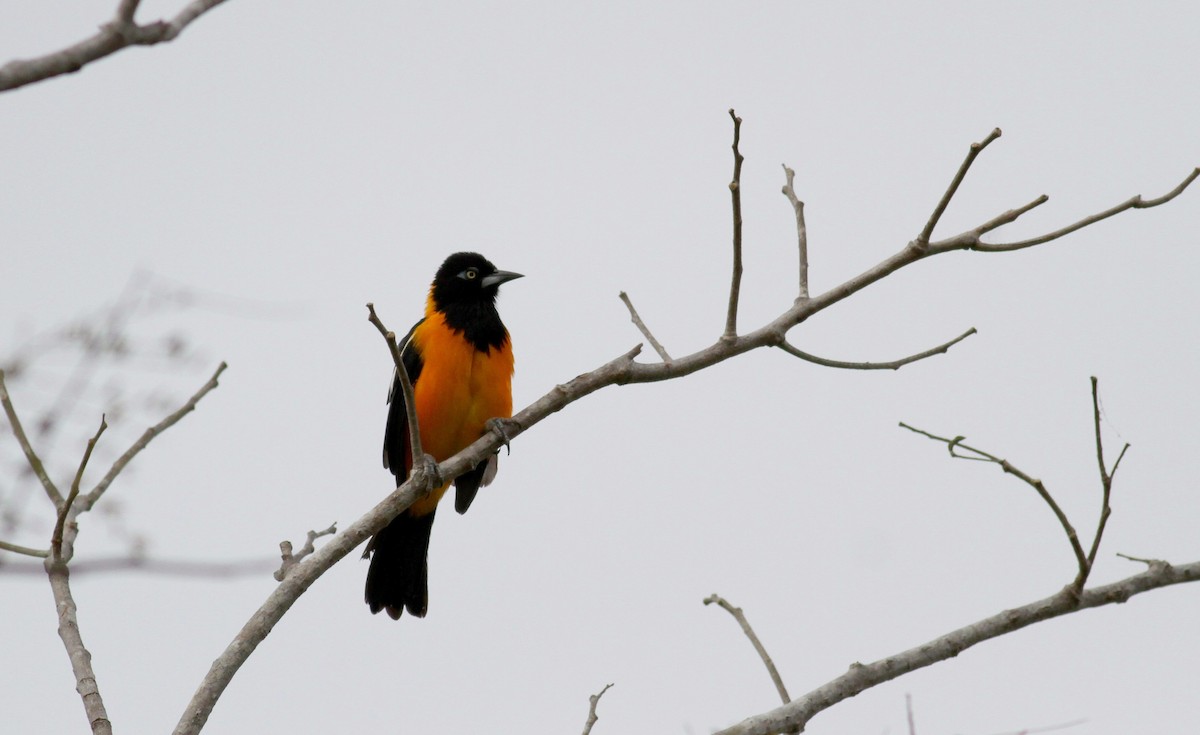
(398, 576)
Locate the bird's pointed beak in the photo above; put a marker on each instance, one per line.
(500, 277)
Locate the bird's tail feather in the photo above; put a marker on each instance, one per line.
(398, 577)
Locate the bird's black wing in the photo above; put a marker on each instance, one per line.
(395, 437)
(468, 483)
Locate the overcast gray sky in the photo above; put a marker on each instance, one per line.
(290, 162)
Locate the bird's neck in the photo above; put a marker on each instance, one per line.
(476, 320)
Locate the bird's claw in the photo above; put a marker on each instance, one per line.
(428, 467)
(503, 428)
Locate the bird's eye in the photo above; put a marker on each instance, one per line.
(470, 274)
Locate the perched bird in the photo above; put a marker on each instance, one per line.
(460, 362)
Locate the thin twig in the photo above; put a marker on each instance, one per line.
(908, 708)
(972, 153)
(592, 702)
(1010, 216)
(18, 549)
(1152, 563)
(789, 191)
(1136, 202)
(1046, 728)
(410, 403)
(735, 192)
(56, 539)
(637, 320)
(31, 457)
(740, 617)
(1105, 480)
(189, 405)
(957, 443)
(892, 365)
(290, 560)
(113, 36)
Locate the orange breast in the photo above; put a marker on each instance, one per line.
(458, 390)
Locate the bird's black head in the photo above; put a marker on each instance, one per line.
(464, 291)
(467, 278)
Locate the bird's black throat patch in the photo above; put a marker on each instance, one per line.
(478, 321)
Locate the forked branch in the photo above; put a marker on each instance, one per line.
(1135, 202)
(972, 153)
(290, 560)
(1085, 561)
(957, 447)
(65, 530)
(1106, 475)
(861, 677)
(56, 540)
(593, 702)
(113, 36)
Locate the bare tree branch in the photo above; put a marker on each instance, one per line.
(291, 560)
(957, 443)
(81, 659)
(56, 539)
(64, 601)
(18, 431)
(740, 617)
(91, 498)
(789, 191)
(861, 677)
(113, 36)
(637, 320)
(1010, 216)
(1106, 477)
(1086, 561)
(972, 153)
(892, 365)
(593, 701)
(1046, 728)
(65, 530)
(1136, 202)
(410, 403)
(735, 192)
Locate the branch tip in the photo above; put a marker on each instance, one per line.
(922, 240)
(593, 701)
(735, 193)
(789, 191)
(740, 617)
(637, 320)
